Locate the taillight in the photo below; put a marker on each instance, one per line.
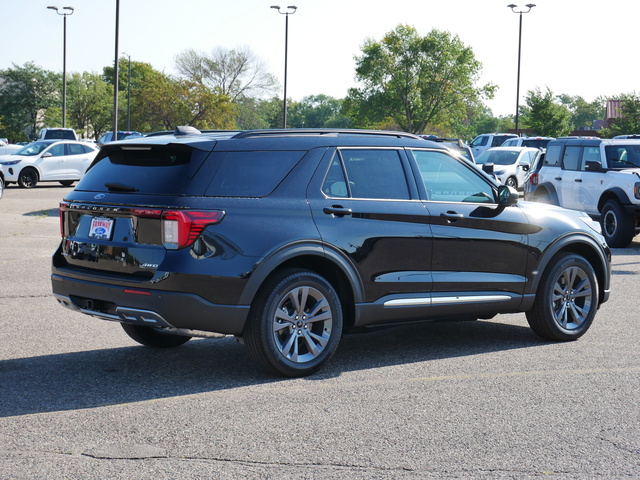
(64, 206)
(180, 228)
(533, 179)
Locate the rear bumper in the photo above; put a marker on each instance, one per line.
(156, 308)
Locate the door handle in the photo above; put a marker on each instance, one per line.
(451, 216)
(579, 180)
(558, 178)
(337, 210)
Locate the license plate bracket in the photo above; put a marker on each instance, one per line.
(101, 228)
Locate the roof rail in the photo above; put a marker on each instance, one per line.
(322, 131)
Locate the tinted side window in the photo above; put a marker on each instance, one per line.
(375, 174)
(447, 180)
(479, 141)
(75, 149)
(498, 140)
(571, 158)
(552, 157)
(252, 174)
(57, 150)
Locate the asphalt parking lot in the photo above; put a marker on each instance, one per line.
(489, 399)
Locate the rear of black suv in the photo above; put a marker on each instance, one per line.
(285, 239)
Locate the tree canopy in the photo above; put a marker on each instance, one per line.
(417, 82)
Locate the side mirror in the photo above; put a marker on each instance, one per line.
(507, 195)
(488, 168)
(593, 166)
(47, 155)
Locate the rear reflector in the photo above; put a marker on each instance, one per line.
(180, 228)
(137, 292)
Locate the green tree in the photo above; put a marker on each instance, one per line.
(166, 103)
(89, 104)
(629, 123)
(543, 116)
(584, 113)
(25, 94)
(415, 81)
(317, 111)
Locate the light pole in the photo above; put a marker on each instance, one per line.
(128, 92)
(115, 75)
(64, 58)
(291, 9)
(520, 12)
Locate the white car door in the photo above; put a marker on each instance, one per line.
(78, 158)
(51, 163)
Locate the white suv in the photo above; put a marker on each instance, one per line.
(534, 142)
(600, 177)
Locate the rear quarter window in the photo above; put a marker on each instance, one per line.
(252, 174)
(552, 157)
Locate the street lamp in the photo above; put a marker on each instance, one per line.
(291, 9)
(115, 75)
(128, 93)
(64, 58)
(520, 12)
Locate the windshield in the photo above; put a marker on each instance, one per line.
(623, 156)
(497, 157)
(32, 149)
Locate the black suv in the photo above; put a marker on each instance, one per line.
(286, 239)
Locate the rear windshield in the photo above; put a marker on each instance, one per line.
(59, 135)
(162, 170)
(535, 143)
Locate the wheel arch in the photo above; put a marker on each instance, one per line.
(549, 189)
(329, 263)
(587, 248)
(615, 193)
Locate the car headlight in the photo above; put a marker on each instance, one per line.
(12, 162)
(591, 223)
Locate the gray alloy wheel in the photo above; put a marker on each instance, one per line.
(153, 337)
(617, 226)
(28, 177)
(295, 324)
(512, 182)
(567, 299)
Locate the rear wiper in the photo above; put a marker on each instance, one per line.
(118, 187)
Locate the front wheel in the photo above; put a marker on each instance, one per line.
(28, 178)
(153, 337)
(295, 324)
(618, 227)
(67, 183)
(567, 299)
(512, 182)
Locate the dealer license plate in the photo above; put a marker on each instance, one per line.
(101, 228)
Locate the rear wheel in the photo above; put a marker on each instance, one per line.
(153, 337)
(567, 299)
(618, 227)
(295, 324)
(28, 177)
(1, 186)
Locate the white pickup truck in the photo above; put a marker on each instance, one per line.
(600, 177)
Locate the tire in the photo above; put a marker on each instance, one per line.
(512, 182)
(67, 183)
(28, 177)
(153, 337)
(1, 186)
(567, 299)
(618, 227)
(278, 334)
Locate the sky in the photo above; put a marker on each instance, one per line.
(583, 48)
